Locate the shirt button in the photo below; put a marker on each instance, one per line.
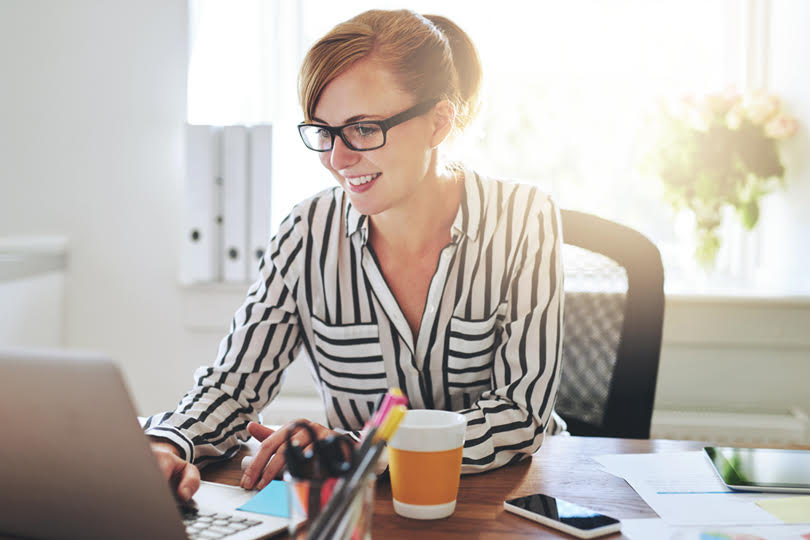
(431, 308)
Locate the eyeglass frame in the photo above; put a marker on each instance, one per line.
(417, 110)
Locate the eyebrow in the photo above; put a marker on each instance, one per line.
(351, 119)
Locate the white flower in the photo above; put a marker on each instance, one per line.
(734, 117)
(760, 106)
(781, 126)
(697, 112)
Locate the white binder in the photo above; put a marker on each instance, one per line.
(235, 202)
(202, 232)
(261, 142)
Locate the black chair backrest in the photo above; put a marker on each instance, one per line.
(613, 319)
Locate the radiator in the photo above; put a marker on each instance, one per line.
(732, 427)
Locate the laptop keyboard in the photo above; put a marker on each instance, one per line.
(209, 526)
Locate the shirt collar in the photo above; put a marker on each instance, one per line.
(471, 209)
(467, 219)
(355, 221)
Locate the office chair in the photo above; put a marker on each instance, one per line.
(613, 318)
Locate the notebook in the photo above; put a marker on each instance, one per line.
(74, 462)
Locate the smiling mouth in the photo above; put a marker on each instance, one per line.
(360, 180)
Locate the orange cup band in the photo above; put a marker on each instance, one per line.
(424, 478)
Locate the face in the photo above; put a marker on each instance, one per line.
(385, 178)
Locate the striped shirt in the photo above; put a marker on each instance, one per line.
(488, 345)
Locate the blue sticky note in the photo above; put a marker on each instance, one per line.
(272, 500)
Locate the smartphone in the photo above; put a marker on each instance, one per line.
(562, 515)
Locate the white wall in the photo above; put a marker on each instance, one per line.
(92, 102)
(92, 105)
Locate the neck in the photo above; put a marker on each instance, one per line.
(424, 220)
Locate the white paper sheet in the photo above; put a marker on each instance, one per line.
(683, 489)
(645, 529)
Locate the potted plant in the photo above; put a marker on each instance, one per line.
(719, 150)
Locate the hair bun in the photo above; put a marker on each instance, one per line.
(467, 65)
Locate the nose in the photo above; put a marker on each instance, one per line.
(342, 156)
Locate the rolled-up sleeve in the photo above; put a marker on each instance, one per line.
(264, 338)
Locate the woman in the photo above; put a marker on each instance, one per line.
(411, 272)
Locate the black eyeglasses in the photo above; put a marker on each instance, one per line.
(358, 136)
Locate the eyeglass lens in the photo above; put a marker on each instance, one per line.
(360, 136)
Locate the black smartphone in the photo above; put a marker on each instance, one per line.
(563, 515)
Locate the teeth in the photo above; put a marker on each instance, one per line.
(360, 180)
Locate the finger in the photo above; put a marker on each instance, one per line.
(183, 477)
(258, 431)
(254, 470)
(269, 447)
(308, 448)
(322, 431)
(189, 482)
(269, 451)
(168, 463)
(276, 465)
(273, 468)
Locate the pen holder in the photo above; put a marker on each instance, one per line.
(307, 498)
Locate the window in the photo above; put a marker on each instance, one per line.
(567, 85)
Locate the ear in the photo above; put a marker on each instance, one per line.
(444, 116)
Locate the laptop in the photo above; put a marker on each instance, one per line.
(74, 462)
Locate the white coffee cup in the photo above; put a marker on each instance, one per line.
(424, 460)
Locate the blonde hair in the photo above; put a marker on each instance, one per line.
(429, 55)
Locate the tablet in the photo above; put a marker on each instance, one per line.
(762, 469)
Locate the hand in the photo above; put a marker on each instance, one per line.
(183, 476)
(269, 460)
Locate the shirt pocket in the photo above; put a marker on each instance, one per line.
(349, 358)
(471, 351)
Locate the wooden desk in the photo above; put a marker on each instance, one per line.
(562, 467)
